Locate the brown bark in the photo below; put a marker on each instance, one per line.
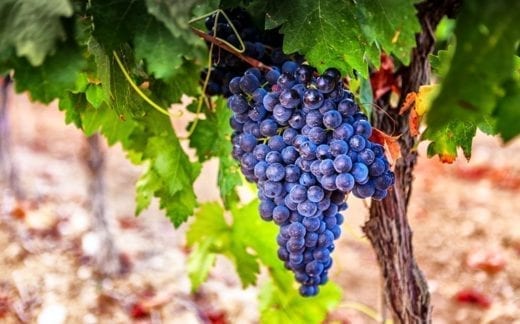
(8, 169)
(106, 261)
(388, 230)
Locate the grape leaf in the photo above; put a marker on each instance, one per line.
(279, 306)
(212, 138)
(346, 34)
(162, 51)
(200, 262)
(175, 15)
(508, 112)
(33, 27)
(73, 104)
(210, 225)
(117, 21)
(52, 79)
(481, 63)
(446, 140)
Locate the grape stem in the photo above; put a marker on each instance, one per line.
(221, 44)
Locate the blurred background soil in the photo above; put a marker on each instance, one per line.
(465, 218)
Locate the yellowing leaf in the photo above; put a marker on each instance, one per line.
(425, 97)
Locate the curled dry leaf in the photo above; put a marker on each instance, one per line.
(384, 80)
(389, 142)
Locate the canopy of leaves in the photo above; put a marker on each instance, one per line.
(346, 34)
(479, 81)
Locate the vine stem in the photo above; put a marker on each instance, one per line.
(221, 44)
(405, 288)
(136, 88)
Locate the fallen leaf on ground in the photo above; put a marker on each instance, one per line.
(473, 297)
(491, 261)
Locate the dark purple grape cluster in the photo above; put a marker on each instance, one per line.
(301, 137)
(265, 46)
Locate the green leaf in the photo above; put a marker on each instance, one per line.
(481, 63)
(33, 27)
(116, 21)
(446, 140)
(210, 226)
(346, 34)
(278, 306)
(200, 262)
(95, 95)
(366, 95)
(53, 78)
(106, 121)
(73, 105)
(212, 138)
(508, 111)
(122, 98)
(175, 15)
(161, 51)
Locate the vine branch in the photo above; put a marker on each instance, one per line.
(221, 44)
(405, 288)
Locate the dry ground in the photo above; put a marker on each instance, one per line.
(465, 219)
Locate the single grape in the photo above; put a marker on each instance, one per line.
(347, 107)
(289, 98)
(303, 74)
(276, 143)
(307, 208)
(342, 163)
(357, 143)
(332, 119)
(315, 194)
(297, 230)
(286, 81)
(273, 157)
(312, 99)
(298, 194)
(275, 172)
(289, 154)
(268, 127)
(325, 84)
(280, 214)
(359, 172)
(238, 104)
(249, 83)
(338, 147)
(345, 182)
(327, 167)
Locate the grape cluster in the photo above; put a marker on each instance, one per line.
(264, 46)
(301, 137)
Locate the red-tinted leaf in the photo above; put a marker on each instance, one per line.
(473, 297)
(389, 142)
(408, 103)
(384, 80)
(491, 261)
(414, 122)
